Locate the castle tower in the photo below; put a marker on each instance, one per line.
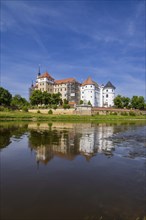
(90, 92)
(108, 94)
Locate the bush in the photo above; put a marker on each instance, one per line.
(25, 109)
(50, 112)
(54, 107)
(65, 106)
(113, 113)
(132, 113)
(38, 111)
(124, 113)
(2, 108)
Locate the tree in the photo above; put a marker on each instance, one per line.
(125, 102)
(5, 97)
(81, 102)
(36, 98)
(56, 98)
(135, 102)
(141, 103)
(19, 102)
(65, 101)
(46, 98)
(89, 103)
(118, 101)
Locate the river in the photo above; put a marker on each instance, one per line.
(73, 171)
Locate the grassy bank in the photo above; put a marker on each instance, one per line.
(27, 116)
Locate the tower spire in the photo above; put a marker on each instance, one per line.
(39, 72)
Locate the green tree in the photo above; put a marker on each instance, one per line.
(5, 97)
(135, 102)
(118, 101)
(81, 102)
(19, 102)
(141, 102)
(65, 101)
(36, 98)
(89, 103)
(125, 102)
(46, 98)
(56, 98)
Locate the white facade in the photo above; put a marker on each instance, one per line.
(100, 96)
(90, 93)
(108, 95)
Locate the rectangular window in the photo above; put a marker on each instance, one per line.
(107, 90)
(106, 96)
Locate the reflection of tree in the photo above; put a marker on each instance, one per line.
(5, 137)
(7, 131)
(45, 138)
(54, 142)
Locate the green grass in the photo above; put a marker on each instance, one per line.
(27, 116)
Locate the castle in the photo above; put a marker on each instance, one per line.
(73, 91)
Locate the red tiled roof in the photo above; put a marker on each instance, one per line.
(46, 75)
(68, 80)
(88, 81)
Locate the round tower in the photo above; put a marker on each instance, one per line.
(108, 94)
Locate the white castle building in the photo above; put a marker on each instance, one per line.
(88, 91)
(100, 96)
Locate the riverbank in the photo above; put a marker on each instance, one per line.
(28, 116)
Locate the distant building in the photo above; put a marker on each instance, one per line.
(90, 92)
(73, 91)
(108, 94)
(69, 89)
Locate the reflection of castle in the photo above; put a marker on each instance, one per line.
(87, 145)
(69, 140)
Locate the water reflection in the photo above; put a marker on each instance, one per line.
(68, 187)
(8, 130)
(70, 140)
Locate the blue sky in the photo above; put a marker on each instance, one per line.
(101, 39)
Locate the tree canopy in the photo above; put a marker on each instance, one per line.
(38, 98)
(19, 102)
(5, 97)
(136, 102)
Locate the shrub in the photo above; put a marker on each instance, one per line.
(132, 113)
(25, 109)
(65, 106)
(2, 108)
(38, 111)
(81, 102)
(124, 113)
(54, 107)
(50, 112)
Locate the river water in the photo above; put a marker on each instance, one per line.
(73, 171)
